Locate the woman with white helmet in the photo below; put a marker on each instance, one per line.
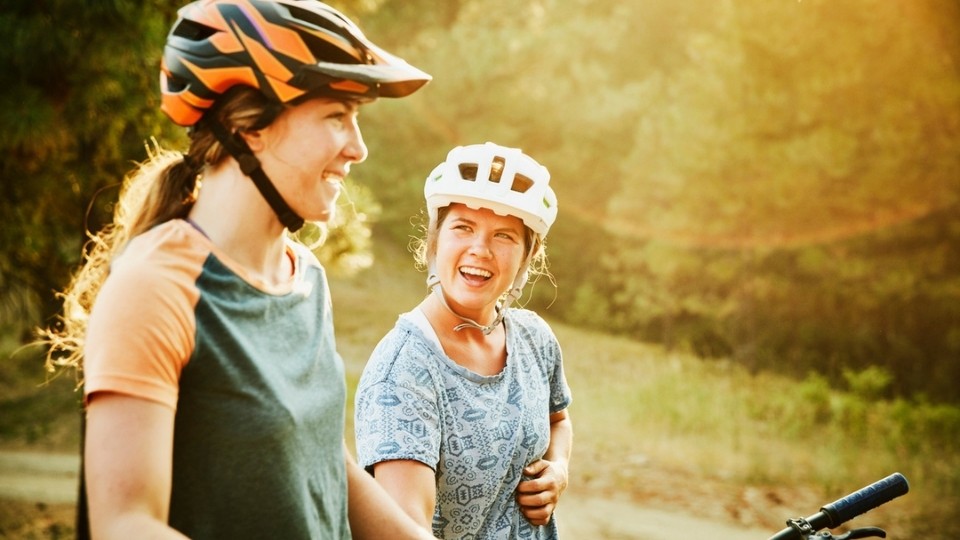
(214, 394)
(461, 412)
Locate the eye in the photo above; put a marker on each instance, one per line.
(338, 116)
(344, 114)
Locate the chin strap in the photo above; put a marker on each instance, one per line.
(433, 283)
(234, 144)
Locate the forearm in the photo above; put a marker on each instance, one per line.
(561, 439)
(548, 477)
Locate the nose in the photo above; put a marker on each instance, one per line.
(480, 248)
(355, 149)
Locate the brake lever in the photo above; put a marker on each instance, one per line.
(863, 532)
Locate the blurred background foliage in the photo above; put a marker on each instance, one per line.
(773, 182)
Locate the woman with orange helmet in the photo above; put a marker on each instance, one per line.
(214, 394)
(461, 411)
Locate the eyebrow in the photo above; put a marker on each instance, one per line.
(357, 103)
(352, 105)
(469, 221)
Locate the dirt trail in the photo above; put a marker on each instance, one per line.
(52, 479)
(39, 477)
(588, 517)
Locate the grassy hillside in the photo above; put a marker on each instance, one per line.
(664, 428)
(672, 430)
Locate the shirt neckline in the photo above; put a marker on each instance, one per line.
(416, 319)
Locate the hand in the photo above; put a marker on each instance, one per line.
(538, 497)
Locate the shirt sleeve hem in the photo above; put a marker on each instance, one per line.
(368, 464)
(557, 407)
(133, 387)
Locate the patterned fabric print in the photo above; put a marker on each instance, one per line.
(476, 432)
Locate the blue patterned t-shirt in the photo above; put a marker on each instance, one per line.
(476, 432)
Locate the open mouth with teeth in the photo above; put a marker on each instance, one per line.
(475, 275)
(332, 178)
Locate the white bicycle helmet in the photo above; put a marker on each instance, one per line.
(501, 179)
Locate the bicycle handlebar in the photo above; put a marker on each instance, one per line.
(846, 508)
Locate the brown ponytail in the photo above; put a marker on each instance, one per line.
(162, 188)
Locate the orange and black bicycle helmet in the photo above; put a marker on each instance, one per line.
(290, 50)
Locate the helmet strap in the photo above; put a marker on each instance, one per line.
(234, 144)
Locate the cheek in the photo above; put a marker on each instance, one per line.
(511, 257)
(449, 250)
(309, 147)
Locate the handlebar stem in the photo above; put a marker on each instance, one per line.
(801, 526)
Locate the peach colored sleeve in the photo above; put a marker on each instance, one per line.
(141, 332)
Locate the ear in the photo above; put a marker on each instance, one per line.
(253, 138)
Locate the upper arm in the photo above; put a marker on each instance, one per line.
(397, 412)
(412, 484)
(141, 331)
(128, 452)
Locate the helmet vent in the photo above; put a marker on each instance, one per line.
(496, 169)
(468, 171)
(314, 19)
(521, 183)
(175, 85)
(322, 49)
(193, 31)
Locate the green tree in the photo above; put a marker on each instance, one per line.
(774, 181)
(78, 102)
(797, 122)
(79, 105)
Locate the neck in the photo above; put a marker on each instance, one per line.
(233, 214)
(444, 319)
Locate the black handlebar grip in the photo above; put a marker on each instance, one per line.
(865, 499)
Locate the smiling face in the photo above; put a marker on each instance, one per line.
(478, 256)
(307, 152)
